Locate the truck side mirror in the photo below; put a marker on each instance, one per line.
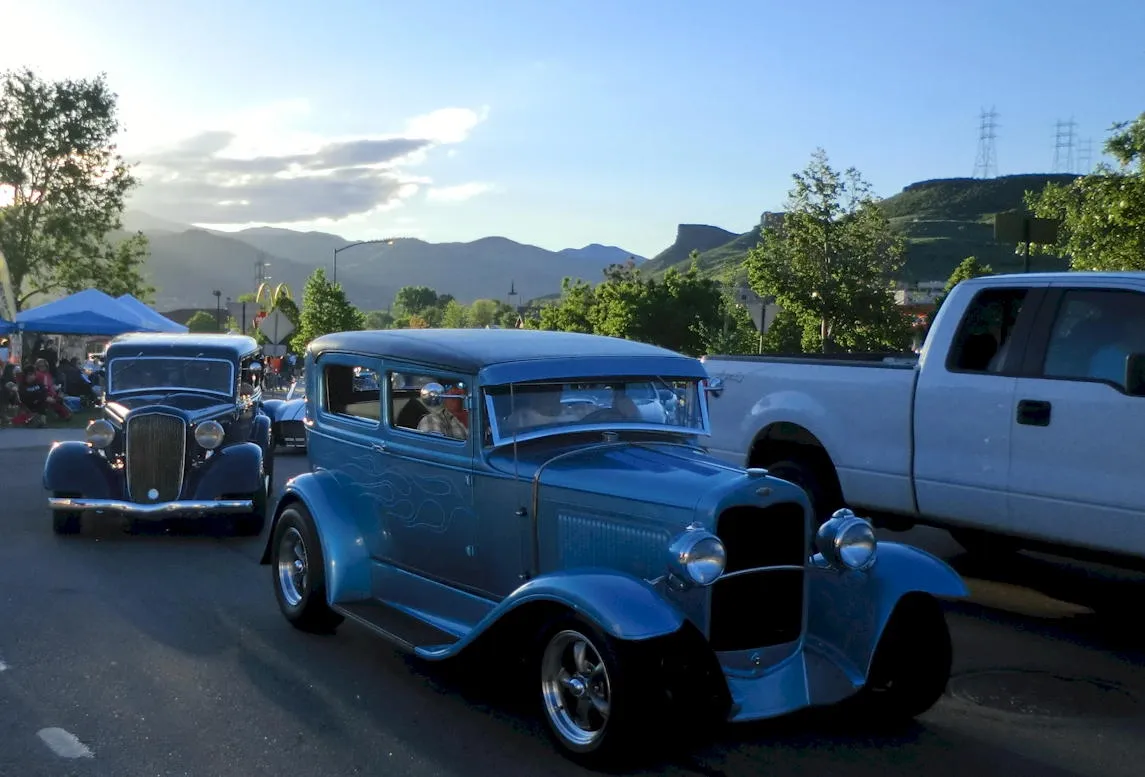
(1135, 375)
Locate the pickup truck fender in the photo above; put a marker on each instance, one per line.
(75, 467)
(848, 610)
(786, 417)
(620, 605)
(344, 551)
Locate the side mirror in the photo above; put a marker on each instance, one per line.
(714, 386)
(1135, 375)
(431, 394)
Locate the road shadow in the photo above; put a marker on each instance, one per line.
(1084, 604)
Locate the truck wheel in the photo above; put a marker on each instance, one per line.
(809, 476)
(300, 572)
(912, 662)
(65, 522)
(590, 699)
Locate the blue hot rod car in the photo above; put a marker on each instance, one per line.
(458, 495)
(286, 427)
(182, 433)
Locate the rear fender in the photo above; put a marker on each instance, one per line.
(344, 551)
(848, 611)
(75, 467)
(620, 605)
(235, 469)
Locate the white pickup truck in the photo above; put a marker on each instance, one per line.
(1021, 424)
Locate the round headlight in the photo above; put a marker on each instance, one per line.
(698, 557)
(847, 540)
(100, 433)
(209, 434)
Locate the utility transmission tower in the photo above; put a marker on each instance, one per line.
(1063, 146)
(986, 163)
(1085, 157)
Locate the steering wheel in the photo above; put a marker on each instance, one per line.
(603, 415)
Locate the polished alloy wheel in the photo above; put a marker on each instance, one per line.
(575, 688)
(292, 567)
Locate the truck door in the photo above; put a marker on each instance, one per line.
(963, 410)
(1075, 449)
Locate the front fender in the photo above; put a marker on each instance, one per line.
(347, 560)
(235, 469)
(622, 606)
(260, 431)
(847, 611)
(75, 467)
(273, 407)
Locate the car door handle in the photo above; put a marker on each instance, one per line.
(379, 447)
(1034, 412)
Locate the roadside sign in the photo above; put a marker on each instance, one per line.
(274, 350)
(276, 326)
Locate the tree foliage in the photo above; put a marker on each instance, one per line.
(968, 268)
(1103, 214)
(830, 261)
(202, 321)
(63, 185)
(325, 309)
(682, 311)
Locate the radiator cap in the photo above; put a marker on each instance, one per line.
(756, 472)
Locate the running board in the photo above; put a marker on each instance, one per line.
(408, 632)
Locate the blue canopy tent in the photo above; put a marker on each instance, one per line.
(147, 314)
(88, 312)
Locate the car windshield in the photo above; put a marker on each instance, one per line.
(152, 373)
(527, 410)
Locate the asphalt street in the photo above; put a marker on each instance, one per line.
(165, 654)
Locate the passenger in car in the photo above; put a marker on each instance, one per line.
(443, 419)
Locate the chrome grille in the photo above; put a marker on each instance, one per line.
(763, 607)
(156, 454)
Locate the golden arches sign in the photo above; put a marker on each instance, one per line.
(272, 295)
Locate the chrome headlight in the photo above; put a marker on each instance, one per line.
(209, 434)
(99, 433)
(698, 557)
(847, 541)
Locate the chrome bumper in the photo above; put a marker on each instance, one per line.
(181, 507)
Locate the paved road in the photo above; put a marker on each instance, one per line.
(165, 655)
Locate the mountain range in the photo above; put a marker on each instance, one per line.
(943, 221)
(188, 263)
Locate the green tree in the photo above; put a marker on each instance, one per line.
(830, 261)
(379, 319)
(485, 312)
(785, 335)
(454, 315)
(1103, 214)
(414, 300)
(325, 309)
(968, 268)
(202, 321)
(573, 313)
(65, 188)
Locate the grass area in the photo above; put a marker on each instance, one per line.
(79, 420)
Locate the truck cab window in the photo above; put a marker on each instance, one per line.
(1093, 335)
(983, 338)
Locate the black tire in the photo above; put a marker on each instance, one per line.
(66, 522)
(622, 736)
(302, 600)
(911, 665)
(809, 475)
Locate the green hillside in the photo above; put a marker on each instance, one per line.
(943, 220)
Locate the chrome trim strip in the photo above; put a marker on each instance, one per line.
(779, 568)
(162, 508)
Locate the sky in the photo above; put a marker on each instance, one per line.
(561, 123)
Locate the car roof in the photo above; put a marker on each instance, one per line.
(505, 355)
(224, 346)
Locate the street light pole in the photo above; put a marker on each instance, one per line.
(386, 240)
(218, 309)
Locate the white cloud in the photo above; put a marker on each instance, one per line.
(258, 170)
(458, 193)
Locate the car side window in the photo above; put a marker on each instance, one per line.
(411, 411)
(1093, 335)
(351, 391)
(984, 336)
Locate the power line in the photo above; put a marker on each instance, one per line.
(1063, 146)
(986, 163)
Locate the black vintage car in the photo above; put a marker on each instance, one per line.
(183, 433)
